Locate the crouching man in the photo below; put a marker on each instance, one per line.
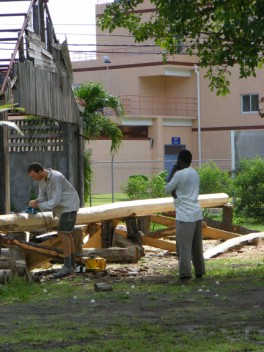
(56, 194)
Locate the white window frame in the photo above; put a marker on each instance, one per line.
(250, 102)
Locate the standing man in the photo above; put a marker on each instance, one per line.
(185, 183)
(56, 194)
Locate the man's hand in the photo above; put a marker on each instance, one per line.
(173, 193)
(33, 203)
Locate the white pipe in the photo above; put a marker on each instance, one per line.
(196, 69)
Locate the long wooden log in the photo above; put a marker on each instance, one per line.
(231, 243)
(124, 242)
(119, 210)
(114, 254)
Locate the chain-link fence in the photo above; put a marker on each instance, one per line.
(109, 177)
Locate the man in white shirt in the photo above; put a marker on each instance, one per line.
(184, 184)
(56, 194)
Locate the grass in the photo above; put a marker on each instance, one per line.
(58, 315)
(60, 324)
(105, 198)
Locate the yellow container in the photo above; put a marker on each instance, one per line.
(95, 263)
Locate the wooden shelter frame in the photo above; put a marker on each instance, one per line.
(38, 77)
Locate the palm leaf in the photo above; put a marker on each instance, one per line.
(11, 125)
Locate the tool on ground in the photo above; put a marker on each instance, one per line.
(30, 210)
(95, 264)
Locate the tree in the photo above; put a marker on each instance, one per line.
(221, 33)
(249, 188)
(95, 124)
(94, 100)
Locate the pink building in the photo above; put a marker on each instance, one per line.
(169, 106)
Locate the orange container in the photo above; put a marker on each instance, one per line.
(95, 263)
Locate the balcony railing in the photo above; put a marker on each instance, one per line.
(159, 106)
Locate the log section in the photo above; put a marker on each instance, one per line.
(119, 210)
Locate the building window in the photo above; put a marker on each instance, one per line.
(134, 132)
(131, 132)
(250, 102)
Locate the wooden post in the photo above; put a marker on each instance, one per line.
(227, 218)
(144, 224)
(36, 24)
(78, 239)
(4, 167)
(133, 233)
(42, 21)
(107, 233)
(21, 51)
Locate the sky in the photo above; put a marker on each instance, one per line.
(74, 20)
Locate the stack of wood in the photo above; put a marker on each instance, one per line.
(13, 260)
(117, 232)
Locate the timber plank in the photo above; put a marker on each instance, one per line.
(210, 232)
(233, 242)
(162, 220)
(95, 241)
(163, 232)
(157, 243)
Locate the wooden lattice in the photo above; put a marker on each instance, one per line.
(39, 136)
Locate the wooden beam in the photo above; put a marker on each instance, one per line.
(95, 241)
(163, 232)
(163, 220)
(231, 243)
(114, 254)
(212, 233)
(119, 210)
(153, 242)
(4, 167)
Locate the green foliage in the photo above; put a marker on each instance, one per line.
(249, 188)
(214, 180)
(87, 173)
(220, 33)
(143, 187)
(95, 123)
(18, 290)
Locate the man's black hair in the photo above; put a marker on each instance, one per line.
(186, 156)
(37, 167)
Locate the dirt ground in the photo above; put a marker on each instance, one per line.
(233, 307)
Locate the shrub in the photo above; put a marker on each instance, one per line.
(214, 180)
(249, 188)
(136, 187)
(143, 187)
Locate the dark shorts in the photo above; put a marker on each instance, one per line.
(67, 221)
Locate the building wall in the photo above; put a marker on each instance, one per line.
(221, 115)
(141, 74)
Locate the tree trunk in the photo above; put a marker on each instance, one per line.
(107, 234)
(119, 210)
(133, 233)
(113, 255)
